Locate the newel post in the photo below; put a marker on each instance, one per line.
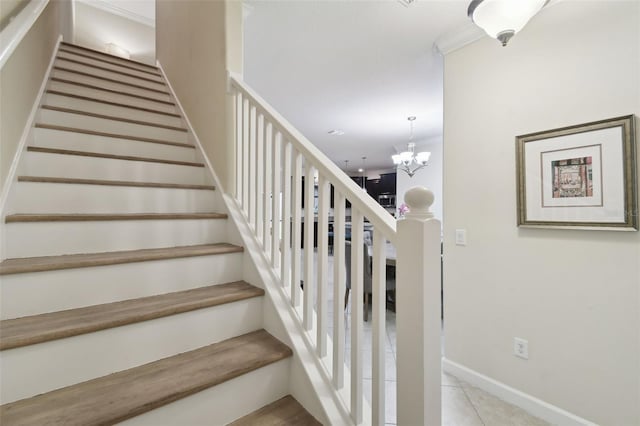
(418, 312)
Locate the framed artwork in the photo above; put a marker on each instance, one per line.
(579, 177)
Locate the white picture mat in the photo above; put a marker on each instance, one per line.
(548, 157)
(612, 210)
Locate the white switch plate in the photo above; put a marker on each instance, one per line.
(461, 237)
(521, 348)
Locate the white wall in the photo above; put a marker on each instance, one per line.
(573, 294)
(430, 177)
(94, 28)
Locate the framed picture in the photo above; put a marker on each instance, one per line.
(579, 177)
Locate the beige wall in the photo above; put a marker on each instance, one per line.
(195, 41)
(9, 9)
(20, 80)
(574, 295)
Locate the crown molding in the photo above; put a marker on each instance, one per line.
(116, 10)
(457, 38)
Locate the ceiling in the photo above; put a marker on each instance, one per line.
(359, 66)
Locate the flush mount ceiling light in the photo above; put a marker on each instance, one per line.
(502, 19)
(336, 132)
(408, 161)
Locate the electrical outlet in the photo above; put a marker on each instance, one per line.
(521, 348)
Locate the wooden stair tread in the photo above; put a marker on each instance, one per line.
(102, 101)
(116, 397)
(73, 217)
(112, 117)
(111, 135)
(98, 67)
(104, 89)
(104, 59)
(111, 80)
(112, 156)
(58, 325)
(84, 260)
(45, 179)
(283, 412)
(64, 43)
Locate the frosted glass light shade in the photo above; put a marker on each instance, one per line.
(501, 19)
(422, 157)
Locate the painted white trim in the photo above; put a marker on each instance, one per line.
(111, 8)
(22, 147)
(531, 404)
(13, 33)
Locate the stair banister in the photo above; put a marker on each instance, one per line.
(272, 159)
(19, 26)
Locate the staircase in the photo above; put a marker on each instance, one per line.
(120, 268)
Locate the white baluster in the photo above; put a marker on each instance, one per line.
(307, 320)
(339, 287)
(245, 157)
(276, 172)
(239, 150)
(259, 200)
(251, 207)
(266, 205)
(296, 274)
(378, 311)
(418, 312)
(285, 265)
(357, 286)
(323, 264)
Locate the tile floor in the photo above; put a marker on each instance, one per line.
(462, 403)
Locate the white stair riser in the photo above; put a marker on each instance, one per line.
(113, 97)
(111, 110)
(105, 145)
(221, 404)
(99, 56)
(140, 80)
(76, 166)
(79, 121)
(78, 78)
(58, 238)
(34, 197)
(31, 370)
(40, 292)
(113, 64)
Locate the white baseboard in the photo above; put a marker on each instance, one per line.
(22, 147)
(535, 406)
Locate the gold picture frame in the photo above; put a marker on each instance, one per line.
(579, 177)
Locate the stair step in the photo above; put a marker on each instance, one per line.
(111, 117)
(120, 396)
(44, 179)
(59, 325)
(92, 99)
(283, 412)
(157, 88)
(99, 68)
(110, 135)
(106, 61)
(106, 55)
(111, 156)
(51, 263)
(14, 218)
(116, 92)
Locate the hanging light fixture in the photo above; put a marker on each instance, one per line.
(502, 19)
(408, 161)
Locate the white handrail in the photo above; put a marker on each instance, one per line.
(377, 216)
(14, 32)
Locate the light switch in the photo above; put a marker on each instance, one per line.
(461, 237)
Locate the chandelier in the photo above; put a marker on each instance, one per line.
(408, 161)
(502, 19)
